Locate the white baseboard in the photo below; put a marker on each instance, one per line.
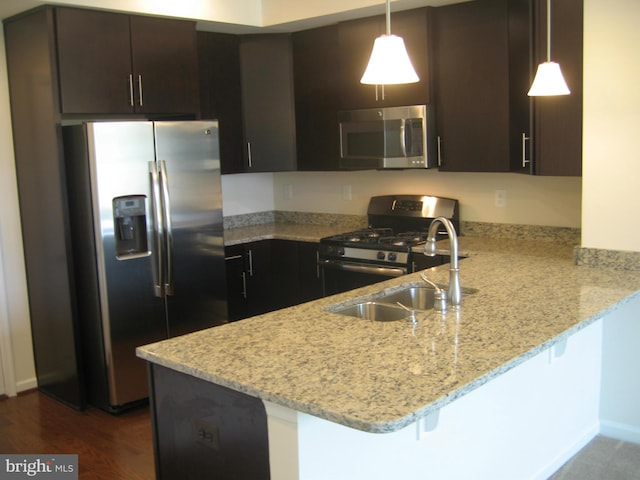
(620, 431)
(28, 384)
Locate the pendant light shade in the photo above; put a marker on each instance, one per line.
(389, 63)
(548, 80)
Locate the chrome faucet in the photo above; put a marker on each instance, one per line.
(454, 293)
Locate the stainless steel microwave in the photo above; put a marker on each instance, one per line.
(379, 138)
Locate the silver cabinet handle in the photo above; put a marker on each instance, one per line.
(140, 88)
(249, 159)
(250, 257)
(244, 285)
(525, 160)
(158, 248)
(439, 144)
(166, 204)
(131, 101)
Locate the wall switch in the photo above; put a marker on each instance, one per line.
(501, 198)
(287, 191)
(346, 192)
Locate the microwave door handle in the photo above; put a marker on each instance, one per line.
(409, 133)
(403, 137)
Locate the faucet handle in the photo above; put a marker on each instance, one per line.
(440, 296)
(424, 277)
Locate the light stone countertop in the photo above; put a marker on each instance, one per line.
(282, 231)
(382, 376)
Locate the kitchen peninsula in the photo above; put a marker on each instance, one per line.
(506, 387)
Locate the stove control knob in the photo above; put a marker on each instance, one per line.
(340, 251)
(392, 257)
(380, 256)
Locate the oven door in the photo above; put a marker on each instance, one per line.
(341, 276)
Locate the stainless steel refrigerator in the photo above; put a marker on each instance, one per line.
(145, 210)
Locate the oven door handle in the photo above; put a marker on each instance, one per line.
(358, 267)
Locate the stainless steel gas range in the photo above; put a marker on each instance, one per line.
(390, 247)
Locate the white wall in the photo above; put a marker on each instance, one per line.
(611, 161)
(15, 329)
(553, 201)
(247, 193)
(241, 12)
(619, 412)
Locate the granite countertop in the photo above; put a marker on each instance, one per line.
(282, 231)
(382, 376)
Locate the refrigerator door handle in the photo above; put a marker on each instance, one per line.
(166, 204)
(158, 250)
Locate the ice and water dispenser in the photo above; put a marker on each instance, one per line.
(130, 223)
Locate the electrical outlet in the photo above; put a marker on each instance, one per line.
(501, 198)
(206, 433)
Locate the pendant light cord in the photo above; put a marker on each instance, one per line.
(388, 17)
(548, 30)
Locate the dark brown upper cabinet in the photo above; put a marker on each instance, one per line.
(486, 53)
(111, 63)
(471, 86)
(220, 96)
(556, 129)
(356, 39)
(267, 103)
(317, 97)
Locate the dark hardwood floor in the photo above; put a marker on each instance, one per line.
(109, 447)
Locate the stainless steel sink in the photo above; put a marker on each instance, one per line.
(416, 298)
(380, 312)
(383, 306)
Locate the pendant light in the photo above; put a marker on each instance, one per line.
(548, 80)
(389, 63)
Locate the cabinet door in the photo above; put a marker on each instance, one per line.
(557, 129)
(356, 40)
(237, 301)
(203, 430)
(267, 102)
(316, 87)
(309, 272)
(94, 61)
(285, 277)
(260, 274)
(165, 65)
(220, 97)
(471, 86)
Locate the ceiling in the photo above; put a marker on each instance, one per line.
(249, 15)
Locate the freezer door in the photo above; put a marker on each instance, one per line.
(132, 314)
(189, 165)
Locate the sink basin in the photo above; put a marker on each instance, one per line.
(380, 312)
(383, 306)
(417, 298)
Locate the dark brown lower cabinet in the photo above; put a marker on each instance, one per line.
(202, 430)
(268, 275)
